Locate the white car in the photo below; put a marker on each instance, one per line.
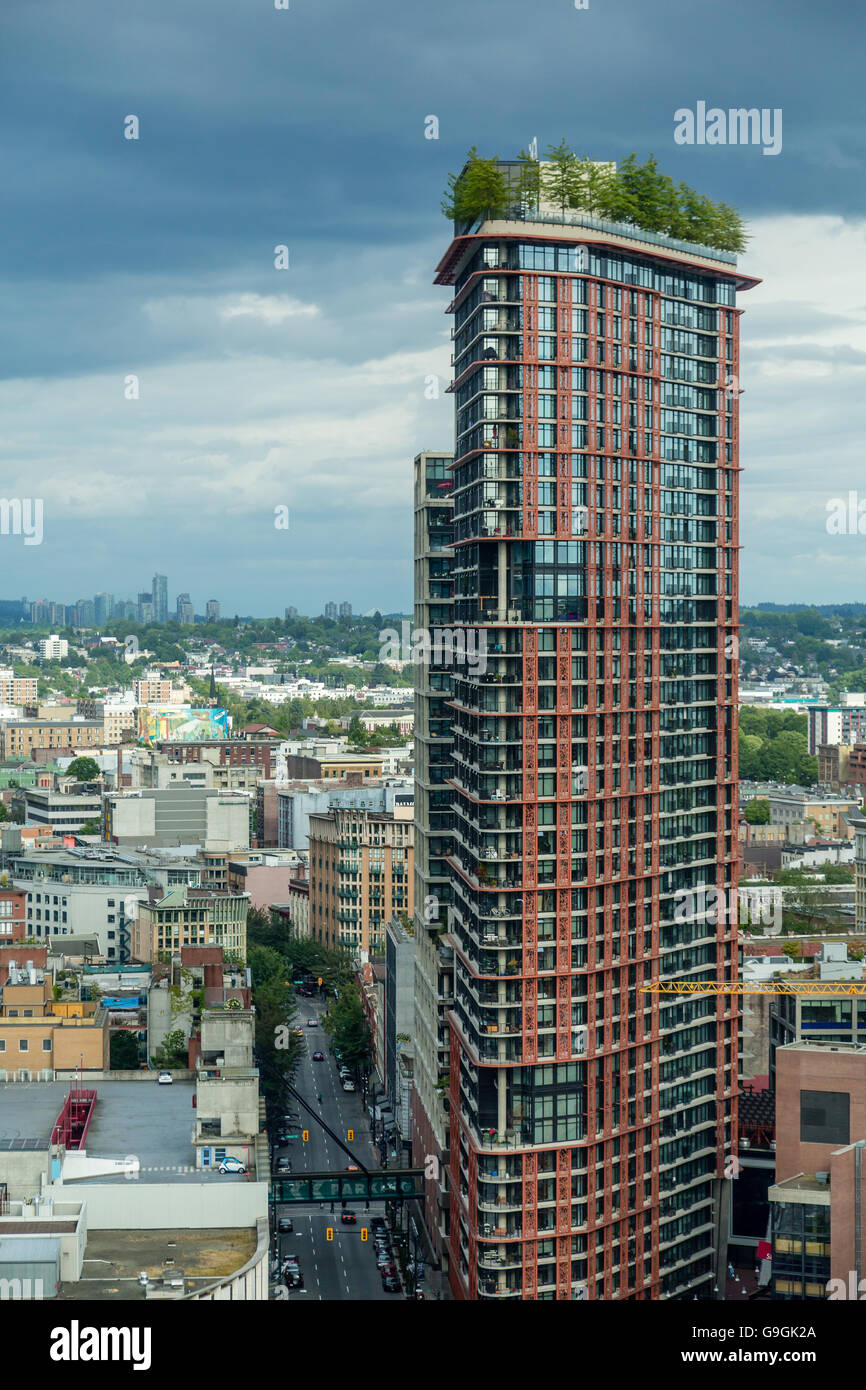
(165, 1078)
(232, 1165)
(348, 1085)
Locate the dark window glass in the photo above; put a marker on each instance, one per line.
(824, 1117)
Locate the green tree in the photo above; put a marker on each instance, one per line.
(277, 1047)
(123, 1051)
(480, 189)
(267, 965)
(84, 770)
(594, 184)
(757, 811)
(172, 1052)
(528, 187)
(91, 827)
(561, 176)
(346, 1025)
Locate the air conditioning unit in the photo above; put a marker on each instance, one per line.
(580, 1294)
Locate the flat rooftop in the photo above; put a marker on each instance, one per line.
(804, 1182)
(113, 1260)
(30, 1111)
(153, 1123)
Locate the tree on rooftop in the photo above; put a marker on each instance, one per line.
(561, 176)
(636, 193)
(84, 770)
(594, 183)
(528, 187)
(480, 189)
(728, 228)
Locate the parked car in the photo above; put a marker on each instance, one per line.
(165, 1078)
(348, 1218)
(312, 1023)
(383, 1257)
(378, 1223)
(232, 1165)
(390, 1269)
(283, 1165)
(285, 1225)
(348, 1085)
(390, 1284)
(318, 1056)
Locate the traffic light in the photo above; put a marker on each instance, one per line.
(363, 1232)
(329, 1233)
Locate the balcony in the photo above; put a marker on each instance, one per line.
(507, 1257)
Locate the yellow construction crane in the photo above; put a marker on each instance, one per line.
(829, 988)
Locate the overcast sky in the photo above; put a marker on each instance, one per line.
(261, 388)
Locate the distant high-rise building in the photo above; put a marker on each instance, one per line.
(345, 610)
(593, 789)
(39, 610)
(57, 614)
(159, 594)
(84, 613)
(145, 608)
(291, 613)
(331, 611)
(103, 605)
(212, 610)
(185, 612)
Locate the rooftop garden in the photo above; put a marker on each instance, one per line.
(635, 194)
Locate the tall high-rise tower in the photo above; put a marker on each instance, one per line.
(160, 598)
(434, 821)
(103, 607)
(594, 758)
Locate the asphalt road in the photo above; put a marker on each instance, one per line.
(343, 1268)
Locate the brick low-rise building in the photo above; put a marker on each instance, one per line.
(20, 737)
(13, 916)
(37, 1035)
(361, 875)
(817, 1202)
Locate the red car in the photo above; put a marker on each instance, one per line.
(348, 1218)
(318, 1056)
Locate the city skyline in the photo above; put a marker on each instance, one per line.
(305, 388)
